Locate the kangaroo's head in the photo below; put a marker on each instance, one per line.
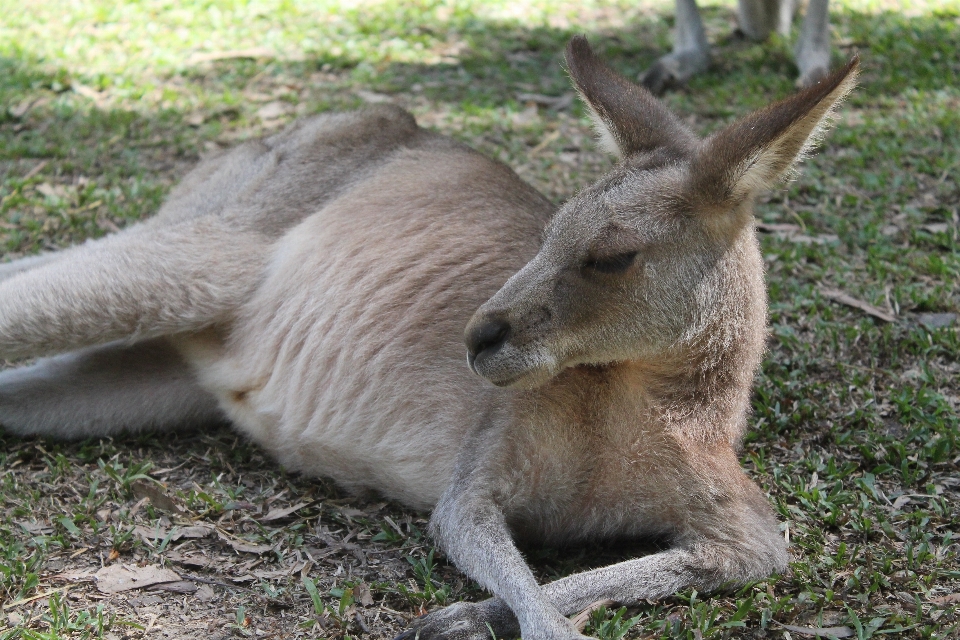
(658, 258)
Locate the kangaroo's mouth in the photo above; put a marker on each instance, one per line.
(507, 366)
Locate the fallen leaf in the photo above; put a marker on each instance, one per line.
(47, 189)
(36, 528)
(21, 109)
(839, 296)
(205, 593)
(901, 501)
(581, 619)
(277, 514)
(936, 227)
(556, 103)
(953, 598)
(362, 594)
(937, 320)
(195, 531)
(350, 512)
(244, 547)
(372, 97)
(119, 577)
(181, 586)
(271, 575)
(75, 576)
(190, 561)
(272, 110)
(835, 632)
(826, 238)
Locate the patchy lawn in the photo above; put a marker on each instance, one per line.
(104, 105)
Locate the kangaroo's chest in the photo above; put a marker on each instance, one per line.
(604, 469)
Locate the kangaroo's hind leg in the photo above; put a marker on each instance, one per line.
(103, 390)
(149, 281)
(16, 267)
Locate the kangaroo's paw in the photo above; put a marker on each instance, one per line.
(674, 70)
(811, 76)
(460, 621)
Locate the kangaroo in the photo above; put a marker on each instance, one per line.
(757, 19)
(313, 287)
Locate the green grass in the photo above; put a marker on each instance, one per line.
(104, 105)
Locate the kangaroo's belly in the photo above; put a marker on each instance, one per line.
(348, 362)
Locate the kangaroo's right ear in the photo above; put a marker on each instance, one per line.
(753, 153)
(628, 118)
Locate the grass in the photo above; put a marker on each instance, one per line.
(104, 105)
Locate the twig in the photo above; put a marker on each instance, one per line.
(839, 296)
(37, 169)
(581, 619)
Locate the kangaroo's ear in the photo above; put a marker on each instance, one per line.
(755, 152)
(629, 119)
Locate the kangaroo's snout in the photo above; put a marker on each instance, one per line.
(486, 337)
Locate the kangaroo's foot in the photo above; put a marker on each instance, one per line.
(674, 70)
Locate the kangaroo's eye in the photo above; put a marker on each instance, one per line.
(611, 264)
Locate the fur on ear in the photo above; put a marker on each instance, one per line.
(628, 118)
(757, 151)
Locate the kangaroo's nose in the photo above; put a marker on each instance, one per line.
(487, 337)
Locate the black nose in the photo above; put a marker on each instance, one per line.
(487, 337)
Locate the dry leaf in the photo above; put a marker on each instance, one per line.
(75, 576)
(182, 586)
(839, 296)
(937, 320)
(190, 561)
(21, 109)
(900, 502)
(277, 514)
(119, 577)
(205, 593)
(953, 598)
(836, 632)
(557, 103)
(36, 528)
(350, 512)
(272, 110)
(47, 189)
(372, 97)
(362, 594)
(581, 619)
(245, 547)
(195, 531)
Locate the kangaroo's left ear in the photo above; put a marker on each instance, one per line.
(752, 154)
(628, 118)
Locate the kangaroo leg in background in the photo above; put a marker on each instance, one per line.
(103, 390)
(813, 47)
(707, 562)
(691, 52)
(148, 281)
